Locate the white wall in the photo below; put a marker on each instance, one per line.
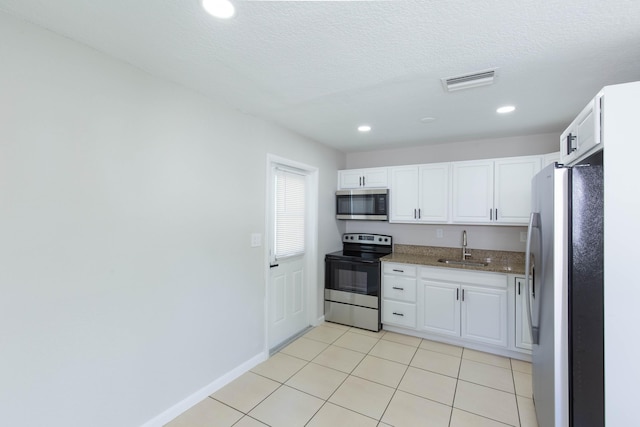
(480, 237)
(457, 151)
(127, 282)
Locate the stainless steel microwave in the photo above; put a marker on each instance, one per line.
(369, 205)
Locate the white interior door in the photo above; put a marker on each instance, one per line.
(288, 298)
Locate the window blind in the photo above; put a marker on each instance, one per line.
(290, 214)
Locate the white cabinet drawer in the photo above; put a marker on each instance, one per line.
(399, 288)
(399, 269)
(399, 313)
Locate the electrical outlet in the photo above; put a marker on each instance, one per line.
(256, 240)
(439, 233)
(523, 236)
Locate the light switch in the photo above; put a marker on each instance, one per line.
(256, 240)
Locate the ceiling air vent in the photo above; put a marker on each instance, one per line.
(467, 81)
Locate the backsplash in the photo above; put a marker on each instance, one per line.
(492, 237)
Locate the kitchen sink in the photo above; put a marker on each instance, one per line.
(466, 262)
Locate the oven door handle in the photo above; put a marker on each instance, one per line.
(353, 261)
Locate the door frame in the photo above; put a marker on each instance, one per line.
(311, 238)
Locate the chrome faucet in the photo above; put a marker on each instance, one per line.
(465, 254)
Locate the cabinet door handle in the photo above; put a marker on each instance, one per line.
(571, 143)
(419, 214)
(496, 214)
(518, 288)
(533, 287)
(399, 271)
(415, 216)
(463, 295)
(457, 294)
(490, 214)
(363, 181)
(398, 314)
(360, 181)
(397, 288)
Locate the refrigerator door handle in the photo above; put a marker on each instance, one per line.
(534, 222)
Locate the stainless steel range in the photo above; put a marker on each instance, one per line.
(352, 280)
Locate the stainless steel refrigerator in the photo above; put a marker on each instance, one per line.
(566, 307)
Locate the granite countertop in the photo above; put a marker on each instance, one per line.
(498, 261)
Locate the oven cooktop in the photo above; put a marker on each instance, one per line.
(363, 246)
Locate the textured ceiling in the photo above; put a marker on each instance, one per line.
(321, 68)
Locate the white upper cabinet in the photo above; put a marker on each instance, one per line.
(473, 191)
(550, 158)
(583, 134)
(434, 192)
(420, 193)
(363, 178)
(494, 191)
(512, 186)
(403, 194)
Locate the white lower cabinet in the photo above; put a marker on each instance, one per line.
(484, 315)
(464, 304)
(399, 294)
(440, 307)
(476, 309)
(523, 328)
(398, 313)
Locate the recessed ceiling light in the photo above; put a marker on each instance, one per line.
(506, 109)
(364, 128)
(428, 119)
(219, 8)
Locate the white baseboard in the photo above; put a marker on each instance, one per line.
(204, 392)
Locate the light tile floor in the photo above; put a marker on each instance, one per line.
(339, 376)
